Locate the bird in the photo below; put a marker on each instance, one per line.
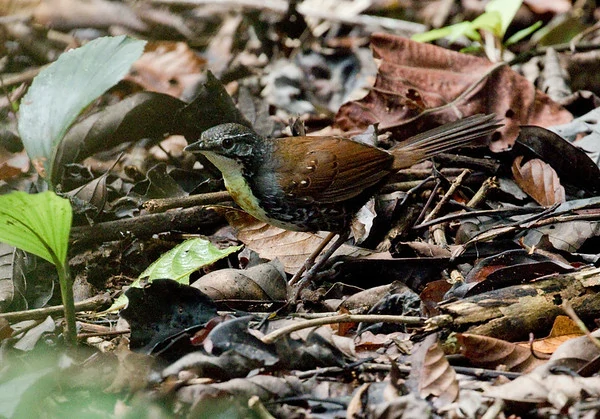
(319, 183)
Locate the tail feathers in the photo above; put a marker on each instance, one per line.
(443, 138)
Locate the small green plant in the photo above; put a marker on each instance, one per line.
(40, 223)
(495, 21)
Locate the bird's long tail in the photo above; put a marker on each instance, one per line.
(443, 138)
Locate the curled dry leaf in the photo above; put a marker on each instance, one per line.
(431, 374)
(539, 181)
(262, 282)
(486, 352)
(563, 330)
(575, 165)
(414, 78)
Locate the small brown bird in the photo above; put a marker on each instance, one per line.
(313, 183)
(316, 183)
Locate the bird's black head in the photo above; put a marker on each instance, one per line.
(229, 140)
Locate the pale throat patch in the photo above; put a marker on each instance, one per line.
(239, 189)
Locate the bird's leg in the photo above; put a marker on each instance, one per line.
(309, 262)
(299, 285)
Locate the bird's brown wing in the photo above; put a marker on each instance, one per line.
(328, 169)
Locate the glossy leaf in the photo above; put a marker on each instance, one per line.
(179, 262)
(38, 223)
(62, 90)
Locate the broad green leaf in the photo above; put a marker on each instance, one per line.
(13, 390)
(62, 90)
(507, 9)
(179, 262)
(37, 223)
(185, 258)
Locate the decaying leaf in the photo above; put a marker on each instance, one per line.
(431, 374)
(266, 281)
(415, 78)
(539, 181)
(290, 247)
(491, 353)
(563, 330)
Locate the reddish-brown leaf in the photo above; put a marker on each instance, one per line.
(415, 77)
(486, 352)
(290, 247)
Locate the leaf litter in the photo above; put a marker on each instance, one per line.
(446, 319)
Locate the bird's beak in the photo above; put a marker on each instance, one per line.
(196, 147)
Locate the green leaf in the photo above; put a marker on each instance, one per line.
(507, 9)
(496, 19)
(523, 33)
(12, 392)
(185, 258)
(62, 90)
(452, 32)
(491, 22)
(39, 224)
(179, 262)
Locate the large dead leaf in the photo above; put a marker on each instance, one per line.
(573, 164)
(545, 385)
(431, 374)
(290, 247)
(486, 352)
(539, 181)
(262, 282)
(414, 78)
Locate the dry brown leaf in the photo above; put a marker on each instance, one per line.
(133, 369)
(563, 330)
(261, 282)
(167, 67)
(290, 247)
(486, 352)
(538, 180)
(431, 374)
(69, 14)
(432, 294)
(544, 6)
(13, 164)
(17, 7)
(415, 77)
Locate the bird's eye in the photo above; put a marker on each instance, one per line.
(227, 143)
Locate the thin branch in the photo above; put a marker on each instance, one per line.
(343, 318)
